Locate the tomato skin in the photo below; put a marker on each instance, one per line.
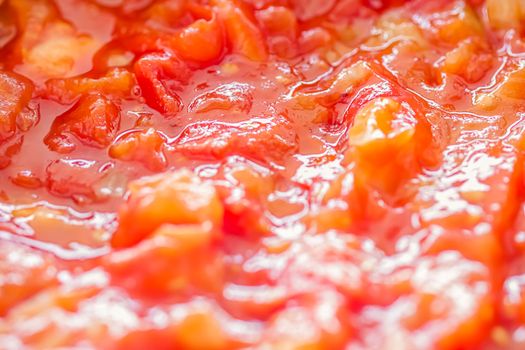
(151, 202)
(334, 87)
(155, 72)
(116, 83)
(94, 121)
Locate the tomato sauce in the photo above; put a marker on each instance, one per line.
(262, 174)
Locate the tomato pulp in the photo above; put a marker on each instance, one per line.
(262, 174)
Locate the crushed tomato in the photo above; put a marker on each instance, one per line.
(262, 174)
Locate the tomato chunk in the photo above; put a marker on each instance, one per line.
(94, 121)
(243, 35)
(24, 273)
(469, 60)
(159, 76)
(233, 97)
(206, 35)
(506, 14)
(262, 139)
(117, 82)
(199, 324)
(16, 93)
(387, 136)
(176, 258)
(144, 146)
(76, 179)
(279, 20)
(152, 201)
(307, 10)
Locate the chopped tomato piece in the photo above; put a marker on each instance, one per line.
(152, 199)
(508, 90)
(469, 60)
(74, 178)
(484, 202)
(144, 146)
(210, 328)
(281, 27)
(8, 149)
(25, 272)
(27, 179)
(164, 12)
(48, 46)
(59, 53)
(231, 97)
(388, 129)
(206, 35)
(347, 203)
(94, 121)
(329, 91)
(75, 303)
(278, 20)
(117, 82)
(506, 14)
(313, 39)
(166, 262)
(460, 22)
(200, 324)
(287, 330)
(159, 76)
(310, 9)
(243, 35)
(244, 190)
(265, 139)
(16, 93)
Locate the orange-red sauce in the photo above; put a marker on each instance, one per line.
(262, 174)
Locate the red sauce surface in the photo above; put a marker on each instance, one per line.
(262, 174)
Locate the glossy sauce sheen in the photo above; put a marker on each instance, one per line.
(265, 174)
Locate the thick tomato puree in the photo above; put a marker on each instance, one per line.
(262, 174)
